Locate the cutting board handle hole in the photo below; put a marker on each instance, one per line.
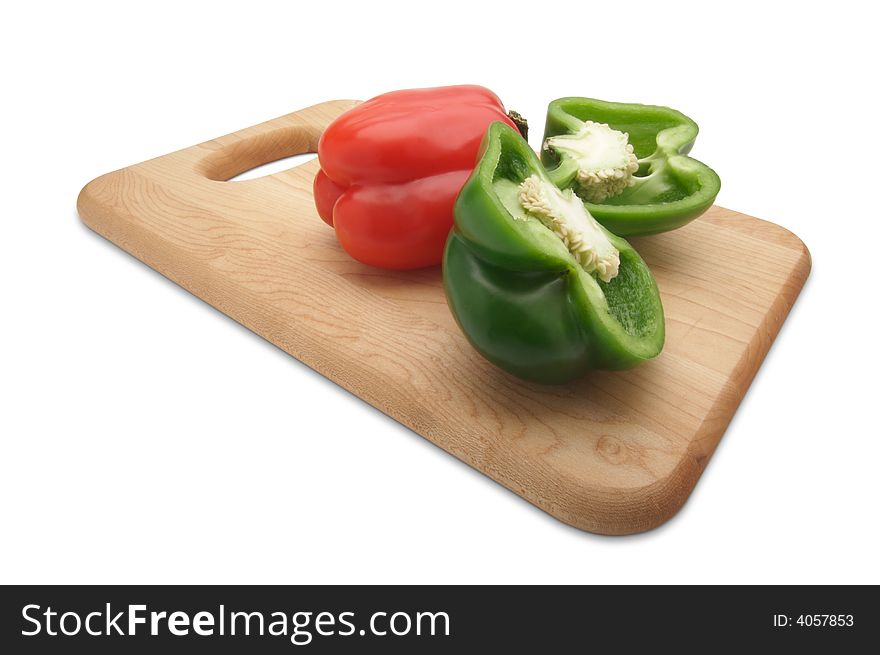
(266, 153)
(273, 167)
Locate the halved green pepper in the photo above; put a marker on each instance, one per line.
(629, 163)
(538, 287)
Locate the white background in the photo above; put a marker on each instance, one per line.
(148, 438)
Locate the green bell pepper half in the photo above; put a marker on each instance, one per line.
(519, 294)
(668, 190)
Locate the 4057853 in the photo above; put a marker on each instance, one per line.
(814, 621)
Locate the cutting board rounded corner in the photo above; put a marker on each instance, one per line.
(624, 510)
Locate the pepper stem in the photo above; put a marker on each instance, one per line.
(521, 123)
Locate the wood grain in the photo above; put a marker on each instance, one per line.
(614, 453)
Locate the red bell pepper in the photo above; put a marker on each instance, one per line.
(392, 167)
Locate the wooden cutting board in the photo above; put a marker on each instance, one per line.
(614, 453)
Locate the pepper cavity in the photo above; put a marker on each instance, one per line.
(565, 215)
